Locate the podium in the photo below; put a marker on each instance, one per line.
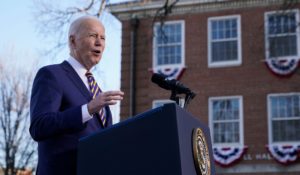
(157, 142)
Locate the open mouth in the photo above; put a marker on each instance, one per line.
(96, 51)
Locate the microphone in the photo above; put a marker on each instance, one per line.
(174, 85)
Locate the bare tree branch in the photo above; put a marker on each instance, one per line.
(52, 20)
(16, 146)
(102, 6)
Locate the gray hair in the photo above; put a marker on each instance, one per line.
(76, 25)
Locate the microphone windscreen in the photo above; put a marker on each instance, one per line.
(158, 78)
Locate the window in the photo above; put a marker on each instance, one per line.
(225, 114)
(282, 34)
(158, 103)
(168, 44)
(284, 118)
(224, 41)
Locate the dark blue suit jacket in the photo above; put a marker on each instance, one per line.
(56, 118)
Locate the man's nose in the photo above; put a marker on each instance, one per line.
(98, 42)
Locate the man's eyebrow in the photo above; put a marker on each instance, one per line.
(92, 32)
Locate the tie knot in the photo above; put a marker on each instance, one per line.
(88, 74)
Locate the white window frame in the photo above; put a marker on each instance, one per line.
(237, 62)
(164, 101)
(270, 133)
(154, 50)
(267, 50)
(241, 120)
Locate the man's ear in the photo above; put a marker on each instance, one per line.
(72, 41)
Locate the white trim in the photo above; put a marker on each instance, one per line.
(241, 120)
(165, 101)
(154, 46)
(267, 50)
(270, 133)
(239, 42)
(155, 5)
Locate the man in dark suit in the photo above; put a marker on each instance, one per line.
(66, 102)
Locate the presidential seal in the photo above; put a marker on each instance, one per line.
(201, 153)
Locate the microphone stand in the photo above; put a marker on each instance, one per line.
(188, 97)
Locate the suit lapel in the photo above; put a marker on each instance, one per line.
(76, 80)
(82, 88)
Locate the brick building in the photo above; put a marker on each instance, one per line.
(241, 59)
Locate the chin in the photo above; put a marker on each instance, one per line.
(97, 60)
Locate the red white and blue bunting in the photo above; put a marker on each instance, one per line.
(284, 154)
(171, 72)
(282, 67)
(227, 156)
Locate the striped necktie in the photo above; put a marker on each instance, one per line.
(95, 90)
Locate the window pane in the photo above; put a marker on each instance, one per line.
(224, 40)
(285, 118)
(234, 28)
(296, 106)
(168, 44)
(285, 106)
(224, 51)
(224, 29)
(225, 109)
(283, 46)
(289, 107)
(169, 55)
(169, 33)
(225, 116)
(160, 55)
(282, 36)
(218, 111)
(226, 132)
(274, 107)
(286, 130)
(282, 23)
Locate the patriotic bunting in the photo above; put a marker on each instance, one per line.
(227, 156)
(284, 154)
(172, 72)
(282, 67)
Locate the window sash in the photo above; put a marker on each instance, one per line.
(226, 132)
(168, 52)
(224, 51)
(280, 46)
(284, 114)
(224, 45)
(168, 55)
(284, 107)
(282, 34)
(286, 130)
(219, 35)
(226, 129)
(282, 25)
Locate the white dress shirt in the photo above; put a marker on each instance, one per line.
(80, 70)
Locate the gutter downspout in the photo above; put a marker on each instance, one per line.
(133, 42)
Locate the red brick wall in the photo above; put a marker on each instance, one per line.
(251, 80)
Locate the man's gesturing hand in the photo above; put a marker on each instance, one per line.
(104, 99)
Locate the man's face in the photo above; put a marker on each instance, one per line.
(88, 43)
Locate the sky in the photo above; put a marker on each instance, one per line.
(19, 35)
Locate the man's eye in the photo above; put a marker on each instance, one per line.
(93, 35)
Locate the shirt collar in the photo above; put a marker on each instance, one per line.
(77, 66)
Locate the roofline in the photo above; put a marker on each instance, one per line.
(146, 9)
(141, 5)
